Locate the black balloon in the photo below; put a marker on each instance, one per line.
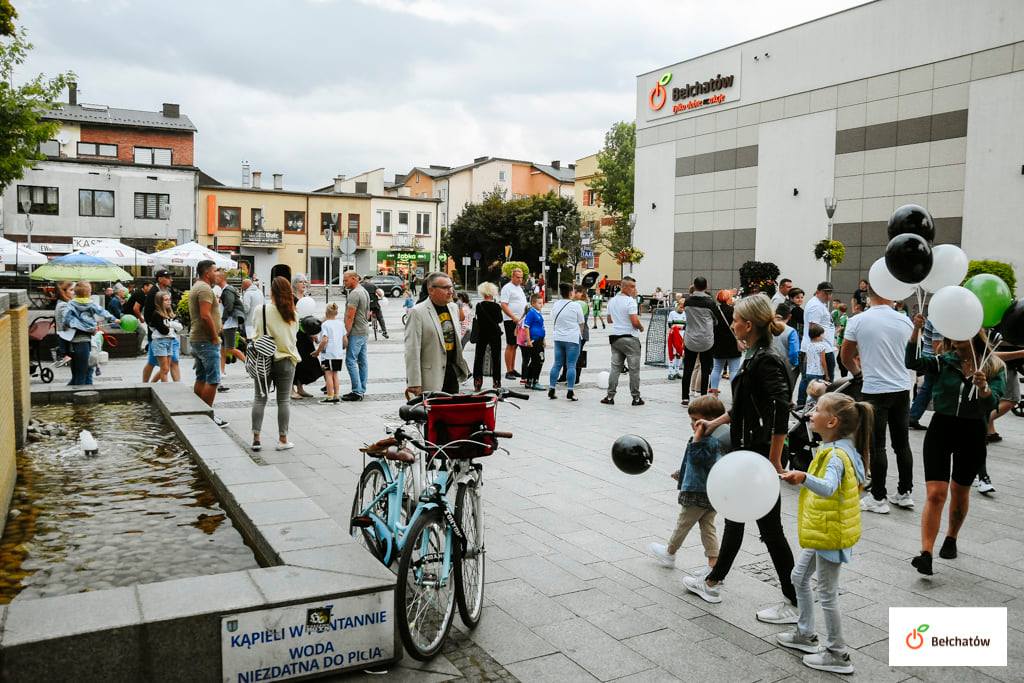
(909, 258)
(1012, 324)
(913, 219)
(632, 454)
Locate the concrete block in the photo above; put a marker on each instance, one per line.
(244, 471)
(284, 511)
(292, 584)
(263, 491)
(349, 558)
(70, 615)
(177, 399)
(317, 533)
(189, 597)
(100, 657)
(179, 650)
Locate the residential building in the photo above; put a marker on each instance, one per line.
(593, 222)
(109, 173)
(845, 106)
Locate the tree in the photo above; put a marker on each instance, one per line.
(7, 17)
(22, 128)
(496, 222)
(614, 184)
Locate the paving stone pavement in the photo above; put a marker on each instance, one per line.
(572, 593)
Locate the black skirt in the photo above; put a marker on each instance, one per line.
(308, 370)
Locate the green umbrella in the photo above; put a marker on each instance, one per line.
(79, 266)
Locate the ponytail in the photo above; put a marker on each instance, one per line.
(856, 421)
(862, 437)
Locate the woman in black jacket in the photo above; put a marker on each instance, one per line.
(758, 422)
(726, 350)
(487, 335)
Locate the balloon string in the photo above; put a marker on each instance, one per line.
(974, 387)
(920, 311)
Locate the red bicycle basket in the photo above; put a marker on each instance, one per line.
(450, 418)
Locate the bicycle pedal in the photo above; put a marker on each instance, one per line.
(362, 521)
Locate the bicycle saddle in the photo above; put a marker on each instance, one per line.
(414, 413)
(400, 454)
(379, 448)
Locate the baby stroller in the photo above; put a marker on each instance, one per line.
(801, 442)
(42, 339)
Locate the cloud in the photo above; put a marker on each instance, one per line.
(315, 88)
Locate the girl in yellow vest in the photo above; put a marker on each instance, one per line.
(829, 525)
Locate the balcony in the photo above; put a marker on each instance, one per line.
(262, 238)
(404, 240)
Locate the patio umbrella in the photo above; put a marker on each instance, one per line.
(118, 254)
(13, 253)
(190, 254)
(79, 266)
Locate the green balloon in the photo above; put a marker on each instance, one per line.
(994, 295)
(129, 323)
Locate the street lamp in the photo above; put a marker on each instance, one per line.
(543, 225)
(330, 254)
(26, 206)
(559, 229)
(830, 210)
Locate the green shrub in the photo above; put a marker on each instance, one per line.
(997, 268)
(509, 266)
(182, 310)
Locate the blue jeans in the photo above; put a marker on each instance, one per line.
(924, 394)
(81, 372)
(566, 355)
(207, 361)
(720, 364)
(355, 355)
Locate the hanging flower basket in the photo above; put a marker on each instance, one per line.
(559, 256)
(629, 255)
(831, 252)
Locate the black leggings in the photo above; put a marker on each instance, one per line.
(533, 360)
(772, 536)
(961, 439)
(483, 347)
(707, 360)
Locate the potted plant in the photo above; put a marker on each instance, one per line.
(559, 256)
(181, 310)
(758, 276)
(832, 252)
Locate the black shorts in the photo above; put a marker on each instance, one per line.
(510, 332)
(332, 364)
(959, 438)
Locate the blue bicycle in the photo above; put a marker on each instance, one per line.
(406, 511)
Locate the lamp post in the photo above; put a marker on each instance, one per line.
(26, 206)
(830, 210)
(543, 225)
(559, 229)
(330, 254)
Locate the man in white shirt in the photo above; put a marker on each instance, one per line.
(513, 303)
(780, 296)
(875, 346)
(816, 311)
(252, 299)
(625, 340)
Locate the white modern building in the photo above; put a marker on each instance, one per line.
(888, 103)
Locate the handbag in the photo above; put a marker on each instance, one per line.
(259, 357)
(582, 362)
(522, 338)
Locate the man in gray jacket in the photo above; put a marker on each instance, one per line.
(700, 336)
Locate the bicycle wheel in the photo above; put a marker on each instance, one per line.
(425, 596)
(469, 568)
(371, 482)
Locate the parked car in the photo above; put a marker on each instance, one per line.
(393, 285)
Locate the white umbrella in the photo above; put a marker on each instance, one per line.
(118, 254)
(13, 253)
(190, 254)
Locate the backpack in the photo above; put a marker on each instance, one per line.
(259, 357)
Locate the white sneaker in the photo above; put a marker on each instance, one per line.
(662, 555)
(783, 613)
(869, 504)
(288, 445)
(700, 587)
(902, 500)
(829, 661)
(985, 485)
(795, 640)
(220, 422)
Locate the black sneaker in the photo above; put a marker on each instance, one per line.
(511, 375)
(923, 563)
(608, 401)
(571, 395)
(637, 401)
(914, 424)
(551, 393)
(352, 396)
(948, 550)
(686, 401)
(221, 388)
(993, 437)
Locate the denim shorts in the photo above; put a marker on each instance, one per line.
(161, 347)
(207, 362)
(175, 350)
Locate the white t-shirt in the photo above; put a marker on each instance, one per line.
(567, 316)
(817, 312)
(881, 333)
(515, 297)
(675, 317)
(335, 331)
(814, 351)
(620, 308)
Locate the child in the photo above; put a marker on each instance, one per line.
(702, 452)
(828, 519)
(533, 348)
(787, 344)
(676, 328)
(840, 322)
(80, 320)
(597, 300)
(332, 352)
(165, 331)
(816, 365)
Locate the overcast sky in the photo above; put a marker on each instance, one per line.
(312, 88)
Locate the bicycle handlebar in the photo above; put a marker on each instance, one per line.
(501, 392)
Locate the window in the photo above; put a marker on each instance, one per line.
(96, 203)
(50, 148)
(95, 149)
(361, 187)
(403, 221)
(444, 219)
(229, 217)
(353, 224)
(326, 222)
(295, 221)
(590, 198)
(153, 155)
(383, 221)
(256, 215)
(150, 205)
(423, 224)
(501, 176)
(44, 199)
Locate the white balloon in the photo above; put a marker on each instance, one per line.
(885, 284)
(306, 306)
(949, 267)
(743, 486)
(602, 379)
(956, 313)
